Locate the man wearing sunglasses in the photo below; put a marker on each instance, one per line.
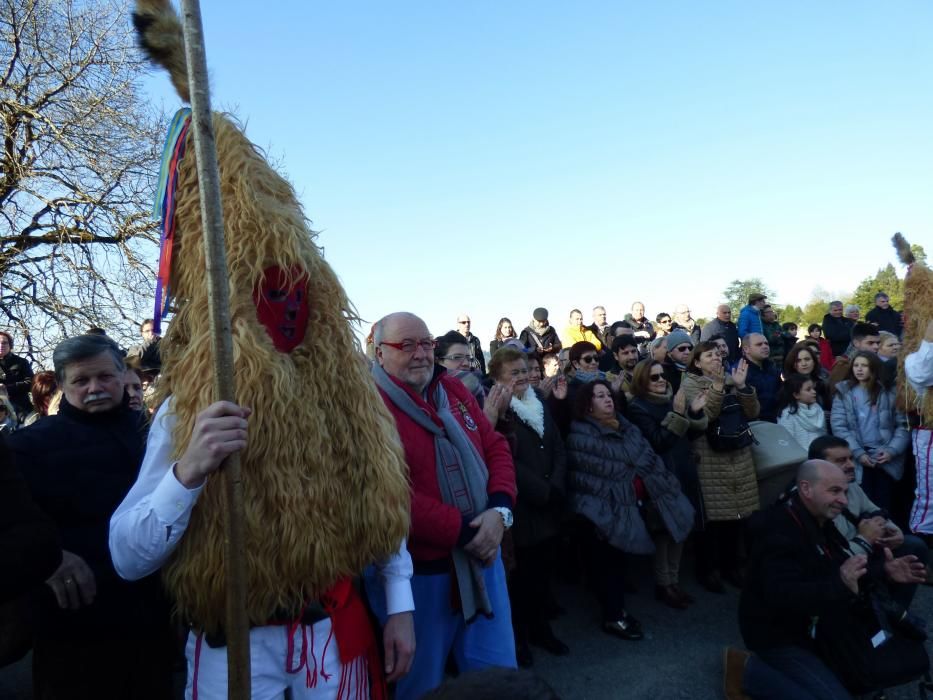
(476, 347)
(462, 493)
(679, 347)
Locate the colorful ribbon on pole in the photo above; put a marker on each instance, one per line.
(164, 209)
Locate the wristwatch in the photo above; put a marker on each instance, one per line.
(506, 516)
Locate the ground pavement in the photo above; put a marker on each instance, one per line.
(679, 659)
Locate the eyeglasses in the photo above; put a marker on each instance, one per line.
(656, 377)
(463, 323)
(684, 348)
(456, 358)
(665, 321)
(589, 359)
(408, 346)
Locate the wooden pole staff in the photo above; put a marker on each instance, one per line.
(237, 622)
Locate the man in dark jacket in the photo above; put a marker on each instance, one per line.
(539, 336)
(641, 327)
(800, 569)
(679, 347)
(599, 326)
(476, 347)
(885, 317)
(624, 354)
(837, 329)
(97, 636)
(723, 325)
(28, 539)
(148, 352)
(763, 374)
(15, 375)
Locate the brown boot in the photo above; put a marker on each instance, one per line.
(733, 661)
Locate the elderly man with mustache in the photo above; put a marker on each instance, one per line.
(96, 634)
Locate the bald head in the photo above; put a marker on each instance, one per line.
(822, 488)
(413, 367)
(813, 470)
(756, 347)
(390, 322)
(723, 312)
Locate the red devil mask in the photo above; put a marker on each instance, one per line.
(282, 307)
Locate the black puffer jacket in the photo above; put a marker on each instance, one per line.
(602, 466)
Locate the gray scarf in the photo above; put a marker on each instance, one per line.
(461, 476)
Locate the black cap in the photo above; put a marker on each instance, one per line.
(539, 314)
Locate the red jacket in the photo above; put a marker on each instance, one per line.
(435, 526)
(826, 354)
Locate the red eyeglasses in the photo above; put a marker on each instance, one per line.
(408, 346)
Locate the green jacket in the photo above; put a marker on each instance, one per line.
(775, 337)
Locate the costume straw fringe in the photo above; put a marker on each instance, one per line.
(324, 476)
(918, 310)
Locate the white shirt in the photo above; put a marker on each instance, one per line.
(148, 524)
(919, 367)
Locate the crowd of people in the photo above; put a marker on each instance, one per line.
(575, 449)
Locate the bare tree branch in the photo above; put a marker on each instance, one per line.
(78, 164)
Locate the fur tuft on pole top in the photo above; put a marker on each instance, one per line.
(903, 249)
(159, 32)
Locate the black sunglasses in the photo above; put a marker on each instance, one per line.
(655, 377)
(589, 358)
(683, 348)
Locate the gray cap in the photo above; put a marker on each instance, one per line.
(539, 314)
(678, 337)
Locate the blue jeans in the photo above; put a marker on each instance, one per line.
(440, 630)
(791, 672)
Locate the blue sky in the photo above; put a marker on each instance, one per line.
(491, 157)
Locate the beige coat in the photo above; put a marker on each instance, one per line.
(728, 480)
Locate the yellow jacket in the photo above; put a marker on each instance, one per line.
(574, 334)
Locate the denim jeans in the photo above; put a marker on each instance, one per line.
(791, 672)
(440, 630)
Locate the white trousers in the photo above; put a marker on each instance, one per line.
(921, 515)
(303, 660)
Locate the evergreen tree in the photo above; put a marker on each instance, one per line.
(885, 280)
(737, 293)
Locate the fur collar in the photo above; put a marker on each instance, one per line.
(529, 410)
(659, 399)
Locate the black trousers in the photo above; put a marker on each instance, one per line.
(718, 546)
(530, 587)
(113, 669)
(606, 571)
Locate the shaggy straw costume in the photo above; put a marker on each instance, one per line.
(918, 310)
(324, 477)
